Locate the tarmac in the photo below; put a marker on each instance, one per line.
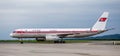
(67, 49)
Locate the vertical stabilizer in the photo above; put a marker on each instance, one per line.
(101, 22)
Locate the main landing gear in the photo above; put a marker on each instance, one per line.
(59, 41)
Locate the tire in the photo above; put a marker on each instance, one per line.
(59, 41)
(56, 41)
(21, 42)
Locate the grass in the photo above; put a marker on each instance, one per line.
(67, 41)
(34, 41)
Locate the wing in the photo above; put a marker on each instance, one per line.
(67, 34)
(58, 36)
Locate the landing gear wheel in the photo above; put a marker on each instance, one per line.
(62, 41)
(21, 42)
(56, 41)
(59, 41)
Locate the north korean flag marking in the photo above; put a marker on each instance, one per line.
(102, 19)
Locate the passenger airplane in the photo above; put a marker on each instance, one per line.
(57, 34)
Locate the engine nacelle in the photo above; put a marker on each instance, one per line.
(52, 37)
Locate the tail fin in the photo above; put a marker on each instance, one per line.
(101, 22)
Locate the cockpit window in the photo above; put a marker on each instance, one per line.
(18, 32)
(14, 31)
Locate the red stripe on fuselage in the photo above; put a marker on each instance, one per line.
(52, 31)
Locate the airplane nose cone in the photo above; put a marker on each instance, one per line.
(11, 34)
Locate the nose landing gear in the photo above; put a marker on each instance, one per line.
(21, 40)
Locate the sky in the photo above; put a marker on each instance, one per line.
(16, 14)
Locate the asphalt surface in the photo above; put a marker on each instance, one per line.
(71, 49)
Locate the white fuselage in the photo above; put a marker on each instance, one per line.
(37, 33)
